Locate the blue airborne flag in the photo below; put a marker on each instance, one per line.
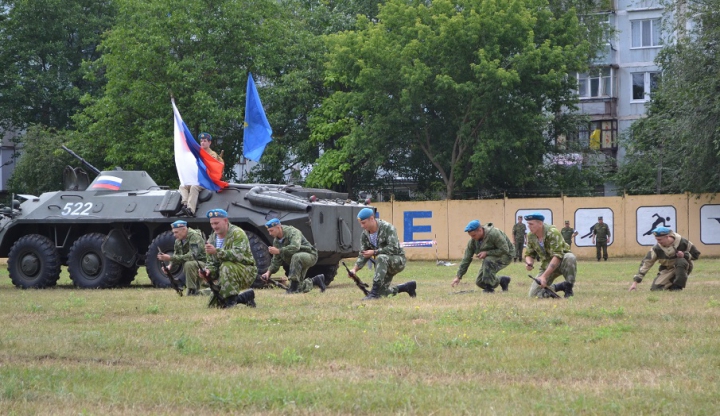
(257, 129)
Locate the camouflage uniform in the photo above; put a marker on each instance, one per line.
(390, 257)
(499, 250)
(519, 230)
(182, 256)
(297, 254)
(567, 233)
(233, 264)
(601, 233)
(553, 245)
(190, 193)
(673, 271)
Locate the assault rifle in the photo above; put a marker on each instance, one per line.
(359, 283)
(175, 283)
(274, 283)
(547, 292)
(213, 287)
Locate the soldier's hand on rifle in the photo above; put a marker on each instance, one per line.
(265, 276)
(455, 282)
(368, 253)
(353, 271)
(543, 280)
(163, 257)
(210, 249)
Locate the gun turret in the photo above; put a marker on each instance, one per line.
(83, 161)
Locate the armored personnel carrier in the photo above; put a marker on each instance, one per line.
(104, 230)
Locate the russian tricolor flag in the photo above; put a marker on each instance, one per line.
(194, 165)
(111, 183)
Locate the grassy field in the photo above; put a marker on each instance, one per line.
(147, 351)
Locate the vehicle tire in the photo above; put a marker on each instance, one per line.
(164, 242)
(329, 271)
(261, 255)
(127, 275)
(34, 262)
(88, 267)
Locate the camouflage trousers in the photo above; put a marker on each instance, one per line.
(386, 268)
(601, 248)
(487, 276)
(297, 271)
(232, 278)
(676, 276)
(519, 248)
(568, 269)
(192, 278)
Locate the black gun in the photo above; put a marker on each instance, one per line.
(359, 283)
(546, 291)
(213, 287)
(175, 283)
(274, 283)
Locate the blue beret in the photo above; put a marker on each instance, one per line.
(178, 224)
(660, 231)
(472, 225)
(535, 216)
(365, 213)
(217, 213)
(600, 217)
(205, 136)
(273, 222)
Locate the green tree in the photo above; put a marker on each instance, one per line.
(469, 84)
(39, 168)
(676, 148)
(200, 51)
(42, 46)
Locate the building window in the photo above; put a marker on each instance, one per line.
(645, 33)
(598, 135)
(643, 84)
(596, 83)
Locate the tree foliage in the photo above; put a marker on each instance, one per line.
(42, 46)
(40, 166)
(200, 51)
(469, 84)
(676, 148)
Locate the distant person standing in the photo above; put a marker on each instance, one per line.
(519, 231)
(675, 255)
(568, 233)
(601, 238)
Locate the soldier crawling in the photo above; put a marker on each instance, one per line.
(675, 255)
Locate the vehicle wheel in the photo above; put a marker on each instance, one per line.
(330, 271)
(88, 267)
(164, 242)
(261, 255)
(127, 275)
(34, 262)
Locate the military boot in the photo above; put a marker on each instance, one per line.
(294, 284)
(488, 289)
(319, 281)
(246, 298)
(408, 288)
(504, 283)
(374, 292)
(566, 287)
(192, 292)
(229, 302)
